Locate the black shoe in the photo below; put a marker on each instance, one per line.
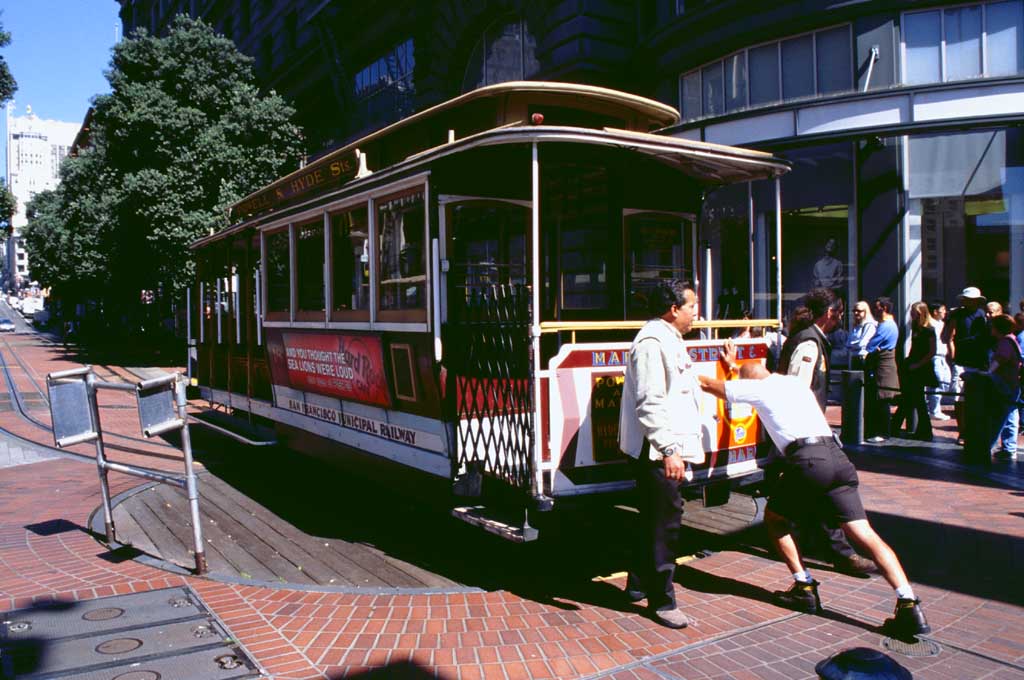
(634, 595)
(802, 597)
(855, 565)
(633, 591)
(908, 622)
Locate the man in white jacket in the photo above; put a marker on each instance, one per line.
(659, 427)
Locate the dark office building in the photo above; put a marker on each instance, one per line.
(902, 118)
(352, 67)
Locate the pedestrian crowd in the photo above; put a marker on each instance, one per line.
(970, 356)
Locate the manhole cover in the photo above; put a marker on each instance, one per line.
(920, 648)
(138, 675)
(118, 646)
(104, 614)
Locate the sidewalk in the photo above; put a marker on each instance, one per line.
(959, 530)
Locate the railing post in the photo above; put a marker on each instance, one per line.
(190, 476)
(853, 406)
(101, 460)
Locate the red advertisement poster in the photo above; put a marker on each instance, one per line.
(343, 365)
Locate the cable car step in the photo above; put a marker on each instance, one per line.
(487, 519)
(235, 428)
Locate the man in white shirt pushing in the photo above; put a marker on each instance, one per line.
(817, 477)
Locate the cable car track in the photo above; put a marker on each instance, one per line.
(22, 411)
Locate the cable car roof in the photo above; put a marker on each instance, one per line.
(709, 165)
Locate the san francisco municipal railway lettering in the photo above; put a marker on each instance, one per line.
(374, 427)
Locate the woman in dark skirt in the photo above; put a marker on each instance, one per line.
(918, 373)
(882, 379)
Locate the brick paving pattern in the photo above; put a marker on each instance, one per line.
(960, 533)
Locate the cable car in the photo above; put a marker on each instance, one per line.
(456, 293)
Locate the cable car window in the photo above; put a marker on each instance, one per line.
(578, 204)
(278, 272)
(350, 255)
(309, 260)
(658, 249)
(401, 229)
(488, 249)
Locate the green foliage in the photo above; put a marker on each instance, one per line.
(8, 205)
(8, 86)
(182, 135)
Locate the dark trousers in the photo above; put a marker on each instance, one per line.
(816, 536)
(913, 401)
(661, 511)
(876, 410)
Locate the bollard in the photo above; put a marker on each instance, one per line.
(853, 406)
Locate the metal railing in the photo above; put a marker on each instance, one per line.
(75, 415)
(574, 327)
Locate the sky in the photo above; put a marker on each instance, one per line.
(58, 53)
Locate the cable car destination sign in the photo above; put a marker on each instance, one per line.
(329, 172)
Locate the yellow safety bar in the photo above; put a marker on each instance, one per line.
(590, 326)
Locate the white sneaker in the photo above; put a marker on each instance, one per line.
(940, 416)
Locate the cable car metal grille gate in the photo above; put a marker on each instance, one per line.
(488, 350)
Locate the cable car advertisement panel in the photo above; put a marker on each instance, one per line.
(348, 366)
(585, 391)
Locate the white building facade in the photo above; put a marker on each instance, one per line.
(35, 149)
(904, 122)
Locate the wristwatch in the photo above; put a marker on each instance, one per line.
(670, 451)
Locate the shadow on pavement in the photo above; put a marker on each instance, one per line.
(578, 542)
(406, 670)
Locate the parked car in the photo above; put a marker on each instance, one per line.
(7, 326)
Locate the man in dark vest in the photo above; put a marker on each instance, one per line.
(805, 354)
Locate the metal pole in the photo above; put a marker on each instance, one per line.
(190, 477)
(536, 485)
(778, 249)
(101, 461)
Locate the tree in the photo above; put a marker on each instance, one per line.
(8, 86)
(8, 206)
(182, 135)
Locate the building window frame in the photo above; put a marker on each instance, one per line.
(943, 60)
(698, 71)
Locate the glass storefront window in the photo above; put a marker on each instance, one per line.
(966, 207)
(507, 51)
(1004, 23)
(764, 74)
(963, 42)
(401, 230)
(834, 60)
(309, 261)
(736, 82)
(691, 96)
(350, 258)
(713, 89)
(923, 36)
(798, 67)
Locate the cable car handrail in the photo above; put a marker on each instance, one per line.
(590, 326)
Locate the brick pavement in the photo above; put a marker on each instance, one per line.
(959, 532)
